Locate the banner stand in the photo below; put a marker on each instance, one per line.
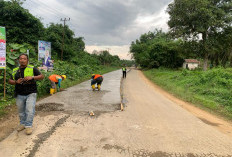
(4, 97)
(3, 56)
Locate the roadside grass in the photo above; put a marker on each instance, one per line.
(210, 90)
(44, 86)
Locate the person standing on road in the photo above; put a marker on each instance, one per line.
(24, 78)
(96, 78)
(56, 79)
(124, 71)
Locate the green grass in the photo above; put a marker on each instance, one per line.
(210, 90)
(65, 84)
(4, 104)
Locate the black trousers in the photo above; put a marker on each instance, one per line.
(98, 80)
(124, 74)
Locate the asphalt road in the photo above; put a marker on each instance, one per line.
(151, 125)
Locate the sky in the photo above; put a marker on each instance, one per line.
(105, 24)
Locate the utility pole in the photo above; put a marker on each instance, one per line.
(68, 19)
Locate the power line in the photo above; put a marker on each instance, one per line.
(57, 11)
(50, 9)
(42, 6)
(45, 8)
(30, 5)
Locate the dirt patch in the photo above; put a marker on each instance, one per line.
(82, 149)
(146, 153)
(62, 90)
(44, 136)
(47, 107)
(103, 139)
(143, 153)
(118, 148)
(99, 113)
(9, 122)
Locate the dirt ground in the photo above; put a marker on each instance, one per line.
(153, 124)
(9, 122)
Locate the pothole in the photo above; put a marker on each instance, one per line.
(47, 107)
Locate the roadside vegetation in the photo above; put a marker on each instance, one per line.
(203, 33)
(23, 30)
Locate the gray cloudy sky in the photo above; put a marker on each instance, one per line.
(104, 24)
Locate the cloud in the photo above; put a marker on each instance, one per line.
(104, 22)
(122, 51)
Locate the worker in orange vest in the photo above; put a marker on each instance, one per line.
(96, 78)
(55, 79)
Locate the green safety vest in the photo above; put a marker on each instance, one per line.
(123, 69)
(27, 72)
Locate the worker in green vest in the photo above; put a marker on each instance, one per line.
(24, 78)
(124, 71)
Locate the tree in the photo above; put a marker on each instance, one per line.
(221, 47)
(20, 2)
(156, 49)
(22, 27)
(104, 57)
(72, 45)
(193, 18)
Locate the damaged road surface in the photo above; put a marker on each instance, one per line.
(151, 125)
(65, 111)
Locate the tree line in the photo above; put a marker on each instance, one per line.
(200, 29)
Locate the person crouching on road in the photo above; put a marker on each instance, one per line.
(55, 79)
(24, 78)
(96, 78)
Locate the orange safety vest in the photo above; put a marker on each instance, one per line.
(53, 77)
(96, 76)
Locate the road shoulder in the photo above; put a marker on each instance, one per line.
(219, 123)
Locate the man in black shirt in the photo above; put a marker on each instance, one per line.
(24, 78)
